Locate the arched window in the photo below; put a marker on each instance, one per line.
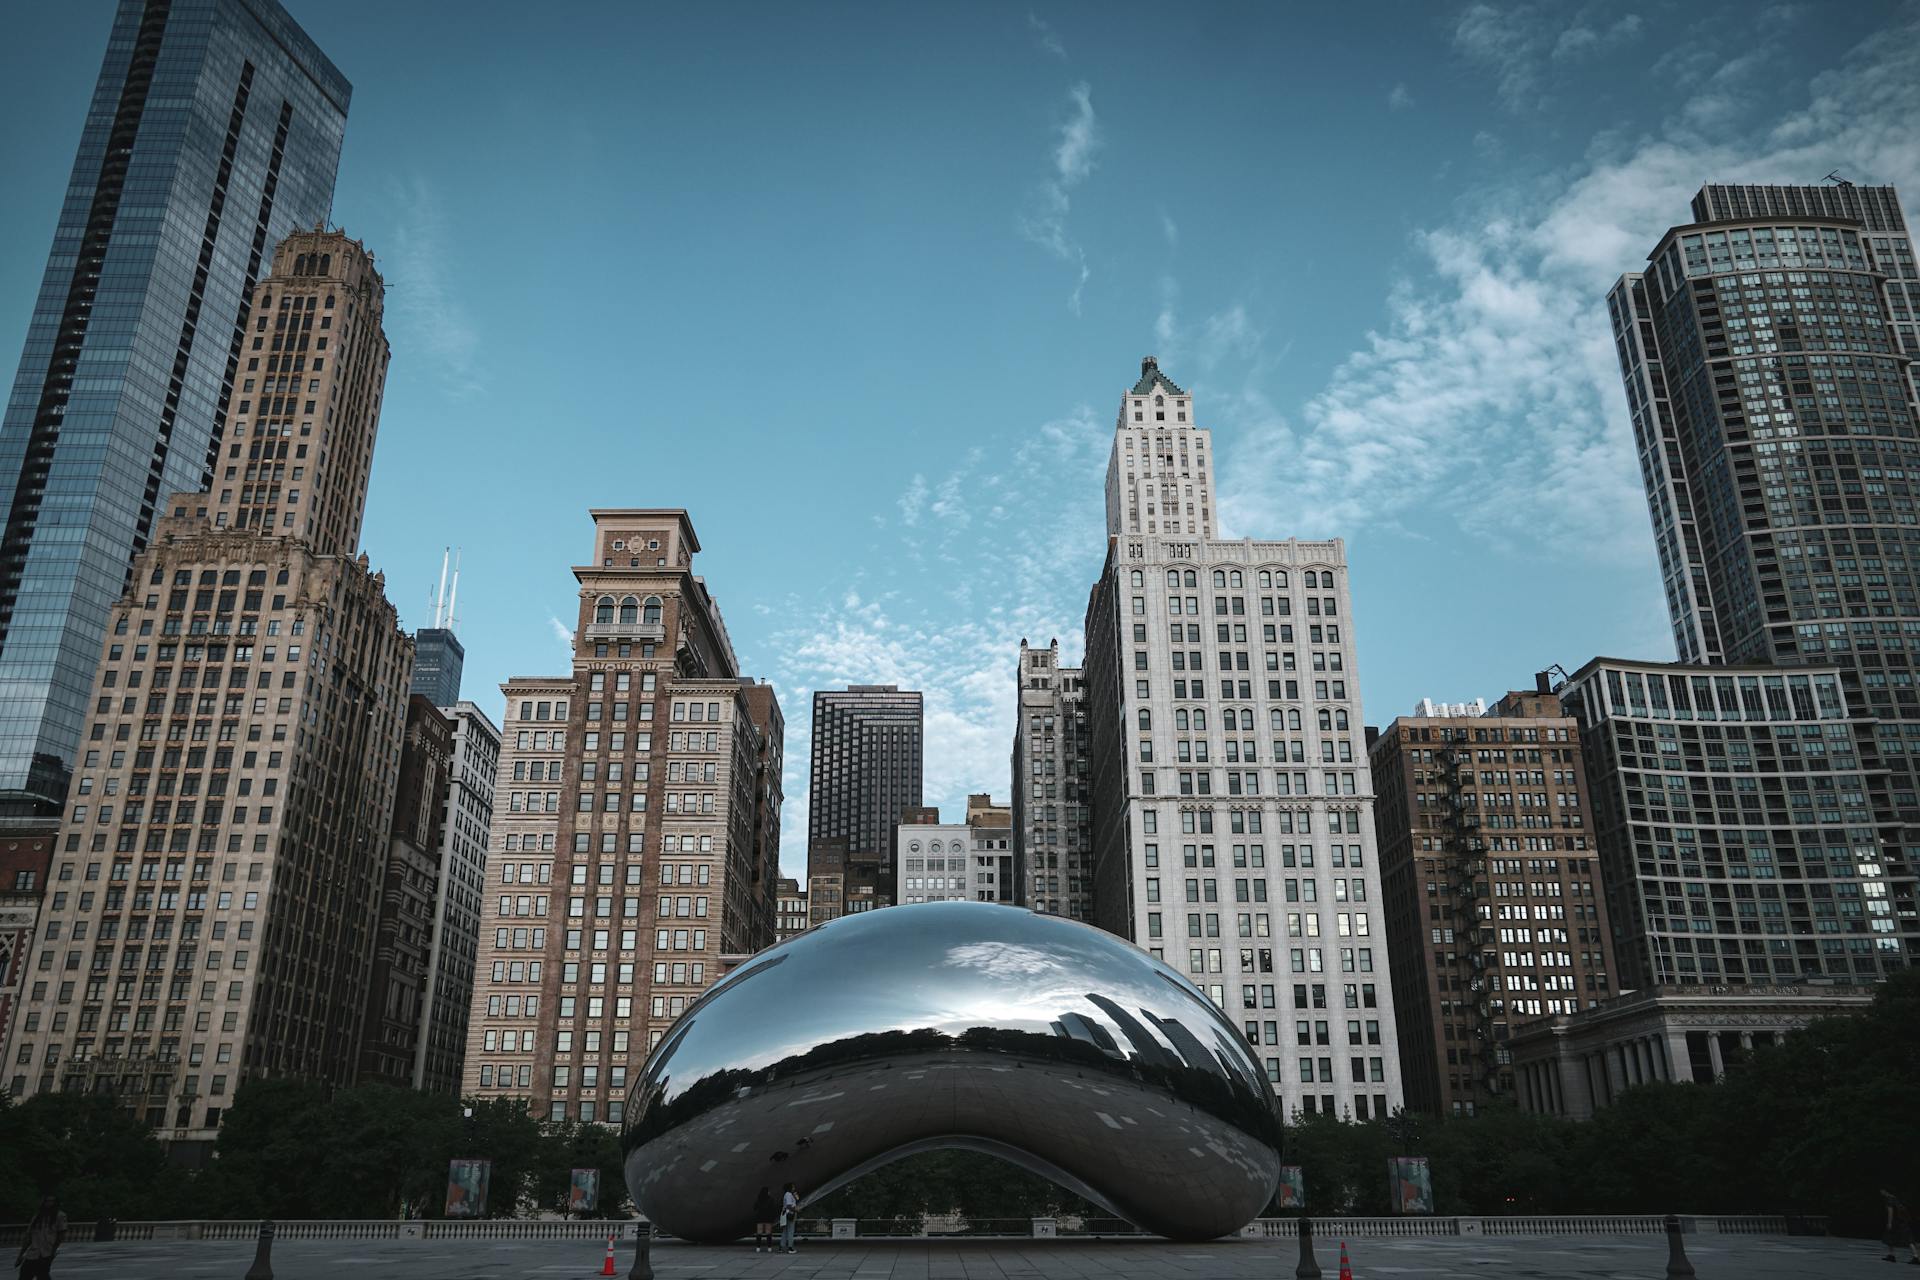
(326, 264)
(1246, 718)
(1139, 579)
(1173, 577)
(1293, 718)
(1192, 580)
(1280, 577)
(1339, 719)
(300, 265)
(650, 610)
(603, 610)
(1179, 718)
(629, 609)
(1313, 579)
(1266, 578)
(1235, 580)
(1199, 719)
(1146, 719)
(1219, 577)
(1326, 720)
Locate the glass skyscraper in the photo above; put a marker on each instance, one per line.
(214, 130)
(1768, 351)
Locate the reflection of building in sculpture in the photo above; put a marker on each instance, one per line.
(1231, 798)
(1494, 910)
(1053, 852)
(1575, 1064)
(636, 847)
(1050, 1044)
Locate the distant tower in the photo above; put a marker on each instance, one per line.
(438, 654)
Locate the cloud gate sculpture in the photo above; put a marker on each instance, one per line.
(1046, 1042)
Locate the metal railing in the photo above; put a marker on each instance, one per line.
(949, 1228)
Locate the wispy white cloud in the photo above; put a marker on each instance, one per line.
(1519, 44)
(1399, 98)
(1010, 577)
(1495, 373)
(561, 632)
(1169, 230)
(913, 501)
(1045, 36)
(425, 313)
(1072, 161)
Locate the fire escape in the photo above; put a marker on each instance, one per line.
(1466, 864)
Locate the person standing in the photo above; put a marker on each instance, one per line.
(45, 1234)
(764, 1213)
(789, 1211)
(1899, 1233)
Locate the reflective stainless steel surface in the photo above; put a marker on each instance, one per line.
(954, 1024)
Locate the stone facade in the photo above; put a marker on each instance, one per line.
(1053, 844)
(639, 838)
(1231, 798)
(227, 831)
(1574, 1064)
(459, 891)
(1494, 909)
(26, 863)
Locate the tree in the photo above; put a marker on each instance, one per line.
(97, 1158)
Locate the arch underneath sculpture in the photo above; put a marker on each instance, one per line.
(985, 1146)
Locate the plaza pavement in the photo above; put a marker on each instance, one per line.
(1531, 1258)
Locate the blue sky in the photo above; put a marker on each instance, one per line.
(861, 285)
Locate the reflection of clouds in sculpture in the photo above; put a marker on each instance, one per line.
(1044, 1041)
(1003, 960)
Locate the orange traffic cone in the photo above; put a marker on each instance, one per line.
(607, 1270)
(1346, 1268)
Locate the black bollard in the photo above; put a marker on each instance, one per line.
(643, 1254)
(262, 1268)
(1308, 1268)
(1677, 1264)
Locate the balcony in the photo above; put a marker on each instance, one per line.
(652, 632)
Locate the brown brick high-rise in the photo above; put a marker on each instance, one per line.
(1495, 911)
(636, 832)
(226, 836)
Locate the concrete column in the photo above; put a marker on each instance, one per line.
(1713, 1056)
(1572, 1086)
(1679, 1061)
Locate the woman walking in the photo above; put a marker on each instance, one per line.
(764, 1213)
(1899, 1233)
(789, 1211)
(45, 1234)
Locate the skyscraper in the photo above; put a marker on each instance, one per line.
(865, 773)
(227, 835)
(637, 851)
(1768, 353)
(438, 655)
(214, 131)
(1495, 913)
(1053, 847)
(1231, 799)
(459, 897)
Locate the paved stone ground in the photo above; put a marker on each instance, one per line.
(1531, 1258)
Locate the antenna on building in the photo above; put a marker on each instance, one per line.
(453, 596)
(1835, 178)
(440, 593)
